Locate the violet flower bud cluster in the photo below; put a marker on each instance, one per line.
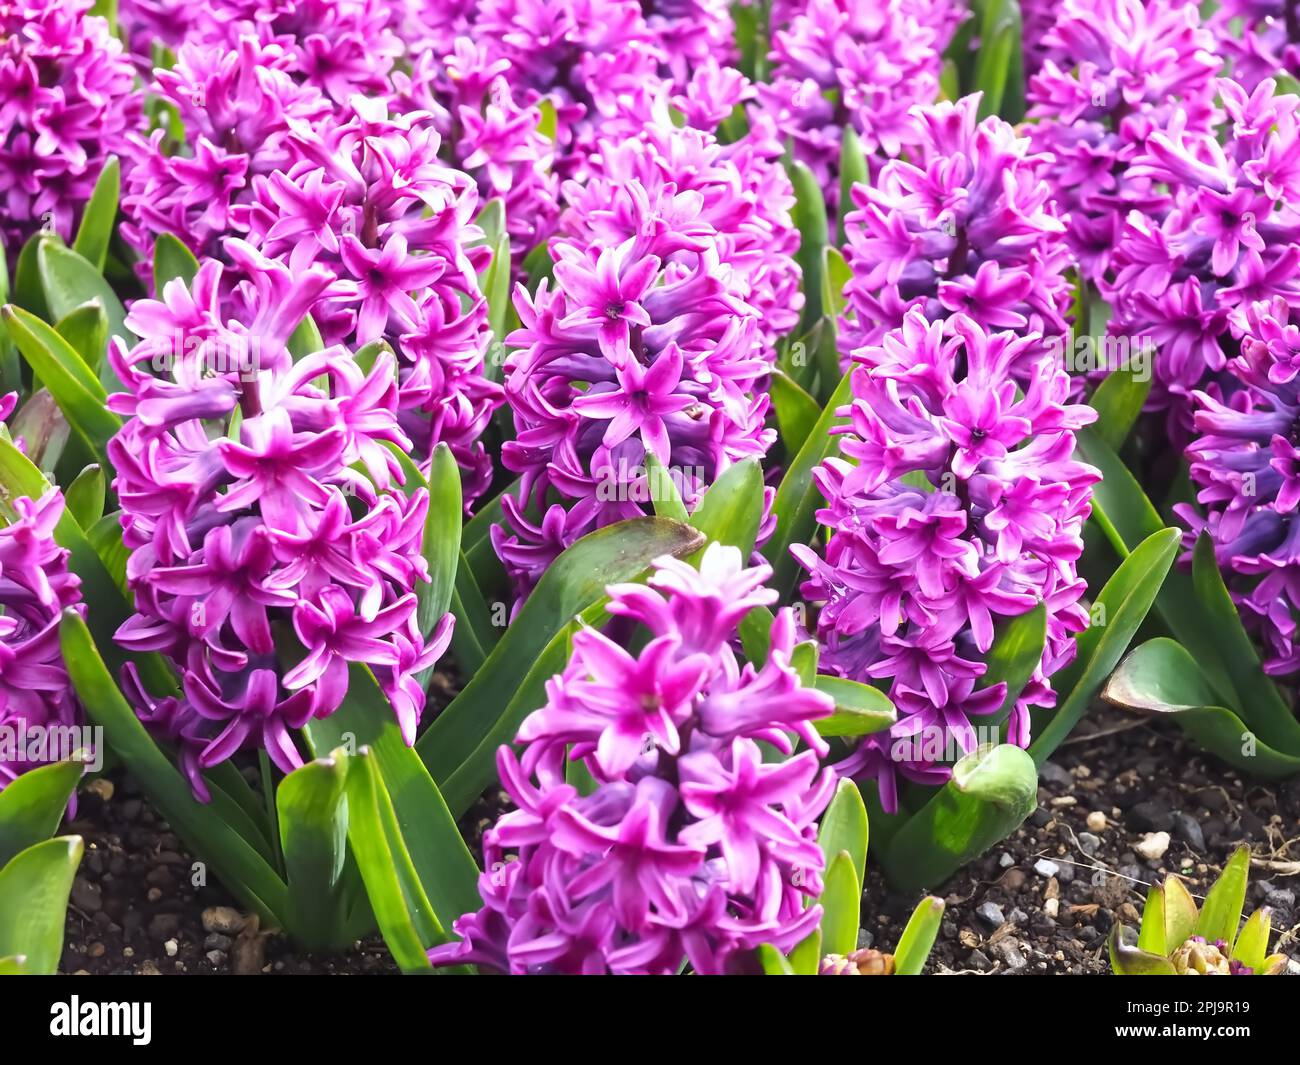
(1231, 237)
(859, 63)
(36, 697)
(1245, 462)
(966, 224)
(1111, 73)
(691, 846)
(955, 501)
(68, 100)
(260, 500)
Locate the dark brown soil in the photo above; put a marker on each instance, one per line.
(1009, 914)
(134, 909)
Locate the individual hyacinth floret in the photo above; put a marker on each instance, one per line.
(1112, 72)
(260, 501)
(67, 102)
(955, 501)
(692, 846)
(36, 586)
(965, 224)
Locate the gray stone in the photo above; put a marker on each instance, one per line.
(1008, 950)
(1088, 843)
(1190, 830)
(991, 913)
(1152, 816)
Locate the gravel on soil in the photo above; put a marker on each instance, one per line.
(1118, 808)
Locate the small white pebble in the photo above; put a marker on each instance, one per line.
(171, 947)
(1006, 861)
(1045, 868)
(1096, 821)
(1052, 907)
(1153, 845)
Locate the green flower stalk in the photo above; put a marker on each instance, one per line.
(1177, 939)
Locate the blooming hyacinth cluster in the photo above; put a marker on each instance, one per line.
(744, 197)
(1230, 238)
(955, 500)
(67, 102)
(1246, 463)
(494, 137)
(369, 200)
(863, 63)
(691, 846)
(1259, 38)
(965, 225)
(238, 105)
(340, 47)
(347, 188)
(580, 55)
(646, 344)
(260, 494)
(584, 57)
(35, 588)
(1112, 72)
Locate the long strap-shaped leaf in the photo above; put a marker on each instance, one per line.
(32, 806)
(1195, 616)
(445, 867)
(69, 380)
(312, 809)
(405, 915)
(206, 829)
(1161, 678)
(574, 581)
(1118, 611)
(34, 889)
(991, 792)
(796, 497)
